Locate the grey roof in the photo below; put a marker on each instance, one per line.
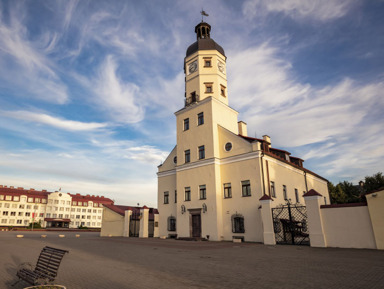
(204, 44)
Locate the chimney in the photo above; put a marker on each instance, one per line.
(242, 128)
(267, 139)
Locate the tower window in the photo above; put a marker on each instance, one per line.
(227, 191)
(175, 196)
(187, 154)
(201, 152)
(228, 146)
(285, 192)
(203, 192)
(200, 118)
(187, 194)
(207, 62)
(222, 90)
(209, 87)
(245, 188)
(166, 197)
(186, 124)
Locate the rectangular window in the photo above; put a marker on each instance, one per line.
(285, 192)
(13, 213)
(74, 203)
(201, 152)
(7, 205)
(37, 200)
(200, 118)
(21, 214)
(44, 201)
(14, 206)
(172, 224)
(273, 191)
(187, 194)
(8, 198)
(60, 215)
(166, 197)
(245, 188)
(227, 191)
(208, 88)
(187, 154)
(5, 213)
(19, 222)
(3, 221)
(222, 90)
(297, 196)
(16, 198)
(207, 62)
(203, 192)
(48, 215)
(175, 196)
(1, 197)
(27, 214)
(186, 124)
(238, 224)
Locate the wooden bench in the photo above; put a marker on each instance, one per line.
(46, 267)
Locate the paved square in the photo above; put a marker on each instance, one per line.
(95, 262)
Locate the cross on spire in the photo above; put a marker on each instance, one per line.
(203, 13)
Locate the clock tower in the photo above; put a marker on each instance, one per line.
(204, 66)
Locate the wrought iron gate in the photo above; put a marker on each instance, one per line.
(290, 224)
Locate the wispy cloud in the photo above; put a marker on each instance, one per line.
(49, 120)
(120, 100)
(299, 9)
(25, 65)
(342, 116)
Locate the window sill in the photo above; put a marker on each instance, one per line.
(247, 196)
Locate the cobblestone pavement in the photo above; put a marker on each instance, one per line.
(95, 262)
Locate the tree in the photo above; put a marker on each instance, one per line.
(336, 194)
(374, 182)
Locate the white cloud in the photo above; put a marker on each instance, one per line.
(120, 100)
(299, 9)
(24, 65)
(46, 119)
(341, 122)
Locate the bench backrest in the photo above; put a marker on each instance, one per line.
(49, 261)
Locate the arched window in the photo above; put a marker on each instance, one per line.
(171, 224)
(238, 223)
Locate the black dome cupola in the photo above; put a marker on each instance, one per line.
(203, 30)
(204, 40)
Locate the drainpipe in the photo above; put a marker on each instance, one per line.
(262, 171)
(305, 178)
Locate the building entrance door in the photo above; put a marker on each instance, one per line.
(196, 226)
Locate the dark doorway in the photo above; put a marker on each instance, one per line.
(196, 226)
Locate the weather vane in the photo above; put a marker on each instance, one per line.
(203, 13)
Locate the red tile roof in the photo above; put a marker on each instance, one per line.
(311, 193)
(265, 198)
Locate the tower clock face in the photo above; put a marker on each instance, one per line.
(220, 65)
(192, 67)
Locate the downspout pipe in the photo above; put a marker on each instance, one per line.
(305, 178)
(262, 171)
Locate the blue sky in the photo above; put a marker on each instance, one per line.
(88, 89)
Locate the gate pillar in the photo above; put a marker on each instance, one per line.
(266, 216)
(127, 219)
(315, 222)
(144, 219)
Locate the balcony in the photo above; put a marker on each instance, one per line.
(191, 99)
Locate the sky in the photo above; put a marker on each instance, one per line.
(88, 89)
